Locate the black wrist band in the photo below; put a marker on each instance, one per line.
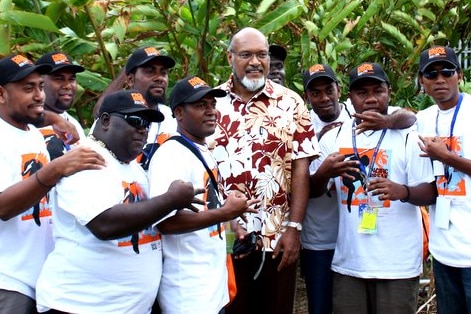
(405, 200)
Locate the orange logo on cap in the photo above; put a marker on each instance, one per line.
(21, 60)
(197, 82)
(60, 58)
(151, 51)
(365, 68)
(316, 68)
(439, 52)
(138, 99)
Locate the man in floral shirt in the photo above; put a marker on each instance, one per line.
(263, 144)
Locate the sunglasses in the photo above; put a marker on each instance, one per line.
(134, 121)
(431, 75)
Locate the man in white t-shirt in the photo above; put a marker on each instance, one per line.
(378, 254)
(27, 175)
(445, 130)
(146, 71)
(107, 257)
(194, 277)
(60, 87)
(319, 235)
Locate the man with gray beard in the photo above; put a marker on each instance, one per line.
(263, 139)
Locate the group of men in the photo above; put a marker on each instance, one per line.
(139, 206)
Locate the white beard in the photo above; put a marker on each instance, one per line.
(253, 85)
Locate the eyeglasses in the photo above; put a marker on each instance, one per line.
(246, 55)
(134, 121)
(431, 75)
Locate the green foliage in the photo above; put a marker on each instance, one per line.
(101, 34)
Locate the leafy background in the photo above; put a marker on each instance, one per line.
(100, 35)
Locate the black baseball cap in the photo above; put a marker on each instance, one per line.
(143, 55)
(368, 70)
(127, 102)
(191, 89)
(278, 52)
(58, 61)
(316, 71)
(16, 67)
(438, 54)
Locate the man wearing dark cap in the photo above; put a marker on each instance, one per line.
(107, 254)
(60, 87)
(379, 179)
(444, 128)
(147, 72)
(277, 64)
(194, 243)
(319, 235)
(27, 176)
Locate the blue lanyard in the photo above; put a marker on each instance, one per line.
(375, 152)
(453, 120)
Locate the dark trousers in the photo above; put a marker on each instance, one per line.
(315, 267)
(271, 293)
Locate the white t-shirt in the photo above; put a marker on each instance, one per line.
(87, 275)
(23, 244)
(451, 246)
(194, 277)
(395, 250)
(320, 225)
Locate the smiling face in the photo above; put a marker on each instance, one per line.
(444, 90)
(197, 120)
(60, 88)
(370, 94)
(22, 102)
(248, 55)
(150, 79)
(323, 94)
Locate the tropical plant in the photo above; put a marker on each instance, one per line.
(101, 35)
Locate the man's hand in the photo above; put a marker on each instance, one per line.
(64, 129)
(371, 120)
(289, 245)
(183, 195)
(433, 147)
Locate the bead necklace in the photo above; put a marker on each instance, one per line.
(101, 144)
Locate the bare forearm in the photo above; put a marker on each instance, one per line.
(299, 189)
(401, 119)
(23, 195)
(125, 219)
(186, 221)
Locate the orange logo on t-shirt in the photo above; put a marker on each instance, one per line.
(31, 163)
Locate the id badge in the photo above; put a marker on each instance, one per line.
(438, 168)
(442, 212)
(367, 219)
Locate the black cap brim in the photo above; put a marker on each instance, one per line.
(41, 69)
(165, 60)
(214, 92)
(150, 114)
(381, 79)
(74, 68)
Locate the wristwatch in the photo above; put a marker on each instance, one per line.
(296, 225)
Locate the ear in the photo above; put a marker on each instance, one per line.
(2, 94)
(130, 80)
(229, 57)
(178, 113)
(420, 80)
(105, 120)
